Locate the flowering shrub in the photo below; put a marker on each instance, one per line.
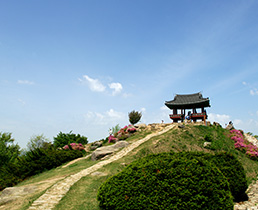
(243, 145)
(63, 139)
(112, 139)
(131, 130)
(74, 146)
(123, 133)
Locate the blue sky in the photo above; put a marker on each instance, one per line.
(83, 65)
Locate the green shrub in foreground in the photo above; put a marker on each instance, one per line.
(233, 170)
(167, 181)
(230, 167)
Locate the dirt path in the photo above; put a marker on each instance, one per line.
(54, 194)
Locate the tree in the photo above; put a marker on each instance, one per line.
(115, 129)
(134, 117)
(38, 141)
(8, 150)
(63, 139)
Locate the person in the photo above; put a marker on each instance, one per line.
(110, 132)
(188, 116)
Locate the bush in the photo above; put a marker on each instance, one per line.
(63, 139)
(35, 162)
(208, 138)
(74, 146)
(134, 117)
(7, 178)
(8, 150)
(124, 133)
(230, 167)
(233, 170)
(167, 181)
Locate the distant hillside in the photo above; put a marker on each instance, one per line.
(82, 195)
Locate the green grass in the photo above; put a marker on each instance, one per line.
(59, 172)
(82, 194)
(191, 138)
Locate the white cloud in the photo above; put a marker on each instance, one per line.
(143, 109)
(109, 117)
(117, 88)
(254, 91)
(164, 108)
(21, 101)
(115, 115)
(94, 84)
(248, 125)
(220, 118)
(237, 122)
(25, 82)
(126, 95)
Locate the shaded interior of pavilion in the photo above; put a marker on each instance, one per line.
(190, 107)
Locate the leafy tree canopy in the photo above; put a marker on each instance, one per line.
(38, 141)
(134, 117)
(63, 139)
(8, 150)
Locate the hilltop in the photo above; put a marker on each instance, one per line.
(157, 138)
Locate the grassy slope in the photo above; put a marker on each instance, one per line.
(82, 194)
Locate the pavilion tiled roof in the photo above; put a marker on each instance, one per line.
(188, 101)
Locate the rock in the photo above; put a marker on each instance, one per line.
(140, 126)
(230, 127)
(97, 143)
(120, 144)
(206, 144)
(251, 139)
(181, 126)
(93, 147)
(12, 193)
(123, 136)
(107, 150)
(216, 124)
(156, 126)
(148, 128)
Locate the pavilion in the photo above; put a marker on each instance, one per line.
(188, 101)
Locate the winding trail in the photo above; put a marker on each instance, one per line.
(54, 194)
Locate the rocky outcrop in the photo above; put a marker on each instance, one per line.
(107, 150)
(206, 144)
(12, 193)
(230, 127)
(216, 124)
(140, 126)
(181, 126)
(96, 145)
(251, 139)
